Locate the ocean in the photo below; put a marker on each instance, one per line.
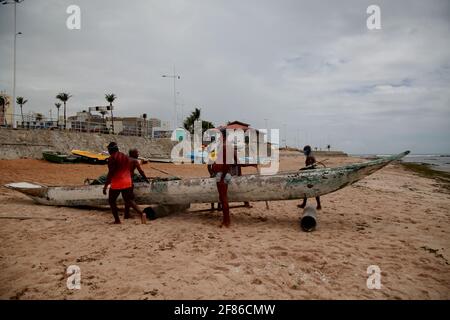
(439, 162)
(436, 161)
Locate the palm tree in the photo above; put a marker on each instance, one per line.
(57, 105)
(3, 103)
(110, 98)
(328, 147)
(189, 122)
(64, 97)
(21, 101)
(103, 113)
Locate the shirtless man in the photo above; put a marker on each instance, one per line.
(223, 178)
(134, 164)
(119, 177)
(309, 162)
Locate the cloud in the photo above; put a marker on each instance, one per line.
(309, 66)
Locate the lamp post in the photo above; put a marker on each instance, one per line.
(15, 2)
(175, 77)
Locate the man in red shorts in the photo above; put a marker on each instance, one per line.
(119, 177)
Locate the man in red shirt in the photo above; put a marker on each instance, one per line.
(119, 177)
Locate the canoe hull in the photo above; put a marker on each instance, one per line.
(298, 185)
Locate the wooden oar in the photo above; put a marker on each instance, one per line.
(312, 165)
(162, 171)
(27, 218)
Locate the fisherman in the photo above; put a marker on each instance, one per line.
(223, 177)
(310, 164)
(134, 164)
(212, 174)
(119, 177)
(236, 170)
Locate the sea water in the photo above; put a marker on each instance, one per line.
(435, 161)
(439, 162)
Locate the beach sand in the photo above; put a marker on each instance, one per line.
(393, 219)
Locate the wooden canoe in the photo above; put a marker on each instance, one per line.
(57, 157)
(284, 186)
(91, 157)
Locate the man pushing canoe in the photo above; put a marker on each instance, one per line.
(119, 177)
(134, 165)
(221, 170)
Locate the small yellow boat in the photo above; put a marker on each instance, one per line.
(91, 157)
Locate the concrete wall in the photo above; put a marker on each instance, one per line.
(15, 144)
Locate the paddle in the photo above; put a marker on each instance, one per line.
(313, 165)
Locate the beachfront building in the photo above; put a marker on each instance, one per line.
(251, 149)
(34, 120)
(163, 131)
(132, 126)
(153, 123)
(85, 121)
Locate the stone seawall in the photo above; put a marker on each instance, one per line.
(16, 144)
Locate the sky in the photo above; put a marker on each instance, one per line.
(309, 68)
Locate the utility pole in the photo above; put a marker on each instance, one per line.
(175, 77)
(15, 2)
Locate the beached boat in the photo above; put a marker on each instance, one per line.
(91, 157)
(58, 157)
(284, 186)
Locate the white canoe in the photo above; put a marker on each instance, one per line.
(285, 186)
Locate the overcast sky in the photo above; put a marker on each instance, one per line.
(311, 67)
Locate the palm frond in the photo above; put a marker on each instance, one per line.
(110, 97)
(63, 96)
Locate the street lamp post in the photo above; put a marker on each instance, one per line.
(175, 77)
(15, 2)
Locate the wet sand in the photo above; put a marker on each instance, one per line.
(394, 219)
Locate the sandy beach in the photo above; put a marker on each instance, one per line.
(394, 219)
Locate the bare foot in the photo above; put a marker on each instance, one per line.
(225, 223)
(143, 218)
(115, 222)
(319, 208)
